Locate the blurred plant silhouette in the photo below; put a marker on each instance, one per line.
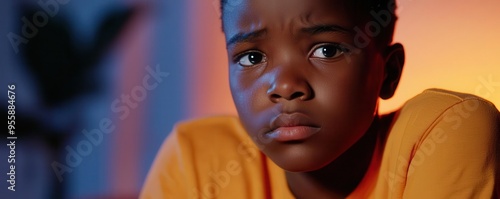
(63, 72)
(62, 69)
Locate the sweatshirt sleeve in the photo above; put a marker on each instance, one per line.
(459, 155)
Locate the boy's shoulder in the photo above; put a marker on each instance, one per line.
(444, 110)
(437, 132)
(445, 98)
(433, 105)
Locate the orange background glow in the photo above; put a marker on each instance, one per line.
(453, 45)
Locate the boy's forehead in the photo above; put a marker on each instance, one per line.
(252, 15)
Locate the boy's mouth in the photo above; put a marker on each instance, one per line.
(291, 127)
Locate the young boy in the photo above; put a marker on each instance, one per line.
(306, 77)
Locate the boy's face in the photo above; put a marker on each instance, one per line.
(303, 91)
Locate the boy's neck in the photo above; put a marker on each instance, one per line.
(343, 175)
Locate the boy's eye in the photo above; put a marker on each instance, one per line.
(328, 51)
(251, 58)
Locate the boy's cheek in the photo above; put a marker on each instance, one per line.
(248, 88)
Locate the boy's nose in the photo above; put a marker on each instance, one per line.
(288, 84)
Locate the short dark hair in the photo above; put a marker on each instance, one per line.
(372, 10)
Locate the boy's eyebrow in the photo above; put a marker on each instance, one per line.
(245, 37)
(316, 29)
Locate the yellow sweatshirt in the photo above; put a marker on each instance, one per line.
(442, 144)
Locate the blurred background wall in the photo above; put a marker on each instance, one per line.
(131, 57)
(100, 84)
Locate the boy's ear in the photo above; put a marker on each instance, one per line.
(394, 62)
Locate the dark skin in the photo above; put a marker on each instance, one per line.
(297, 61)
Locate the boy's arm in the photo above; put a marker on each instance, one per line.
(460, 157)
(170, 175)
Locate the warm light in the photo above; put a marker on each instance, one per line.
(449, 44)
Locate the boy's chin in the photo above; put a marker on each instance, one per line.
(300, 162)
(302, 166)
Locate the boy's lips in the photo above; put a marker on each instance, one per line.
(291, 127)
